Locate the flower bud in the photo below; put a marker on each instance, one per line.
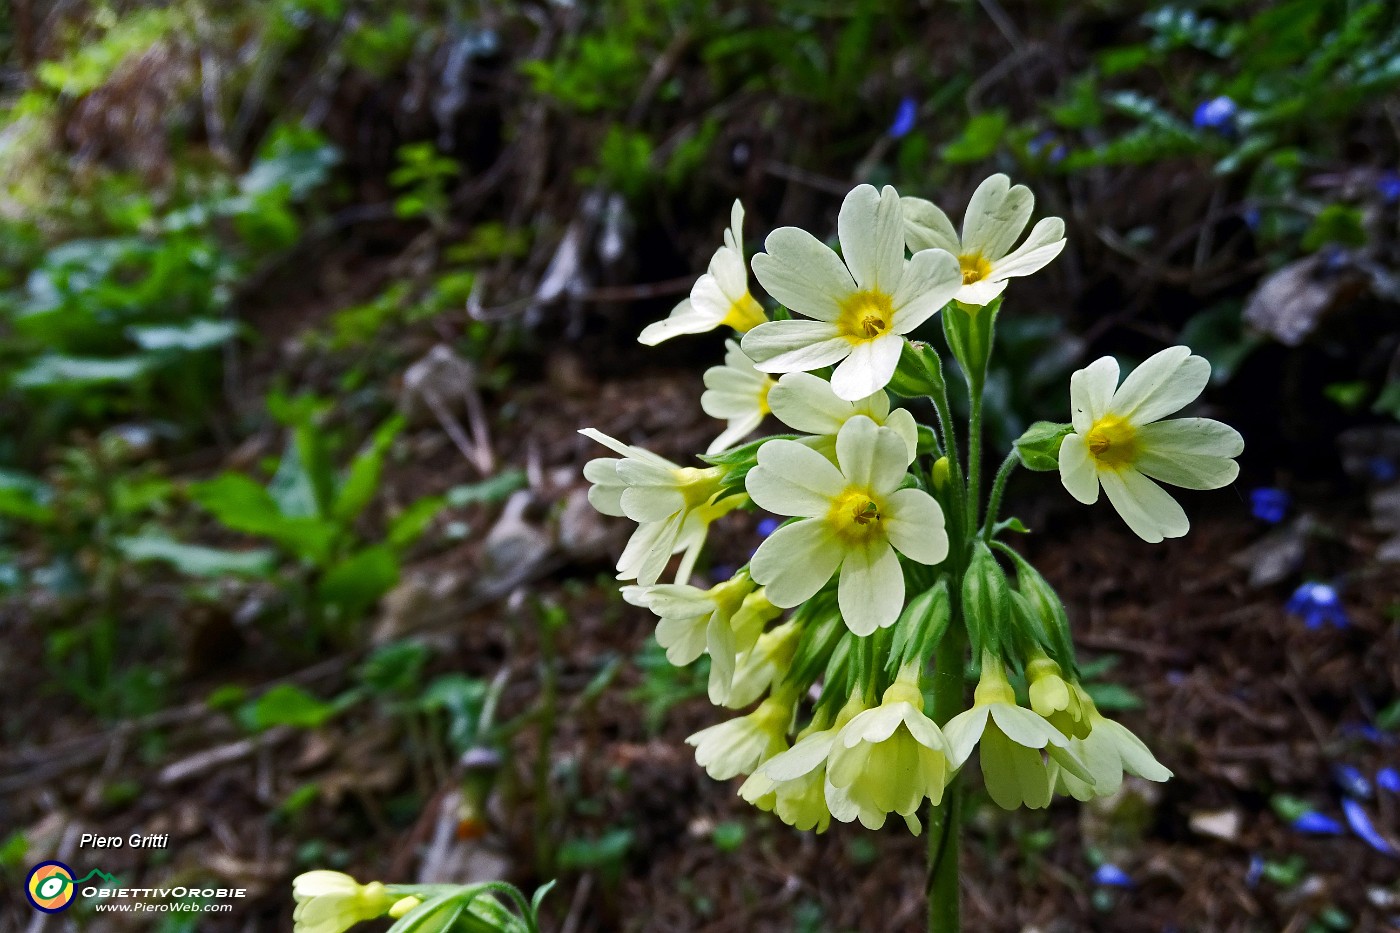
(1039, 447)
(919, 373)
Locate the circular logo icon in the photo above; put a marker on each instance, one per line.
(50, 887)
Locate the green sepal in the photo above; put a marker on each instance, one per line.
(1010, 524)
(919, 373)
(1053, 621)
(969, 331)
(738, 461)
(1039, 448)
(920, 627)
(986, 601)
(822, 628)
(928, 441)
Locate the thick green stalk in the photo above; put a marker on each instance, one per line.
(974, 454)
(944, 823)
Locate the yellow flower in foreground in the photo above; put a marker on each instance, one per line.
(793, 784)
(720, 297)
(1118, 441)
(888, 759)
(737, 393)
(807, 403)
(764, 664)
(738, 746)
(995, 218)
(331, 902)
(1012, 739)
(853, 517)
(1063, 703)
(1108, 751)
(861, 303)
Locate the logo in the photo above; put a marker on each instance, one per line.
(51, 886)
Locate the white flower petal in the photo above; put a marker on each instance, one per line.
(927, 227)
(1091, 391)
(1182, 468)
(1077, 469)
(931, 280)
(805, 402)
(796, 561)
(1149, 510)
(1047, 240)
(995, 217)
(1024, 727)
(605, 494)
(803, 758)
(1166, 382)
(795, 346)
(916, 527)
(803, 273)
(873, 726)
(729, 274)
(963, 732)
(685, 319)
(1137, 758)
(871, 457)
(648, 550)
(792, 479)
(901, 421)
(871, 590)
(739, 428)
(871, 229)
(982, 292)
(869, 367)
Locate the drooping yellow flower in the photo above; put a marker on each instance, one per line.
(888, 759)
(995, 218)
(332, 902)
(719, 298)
(738, 746)
(858, 305)
(793, 783)
(1012, 739)
(1120, 444)
(1108, 751)
(1063, 703)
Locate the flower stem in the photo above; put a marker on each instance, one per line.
(1008, 466)
(974, 454)
(944, 824)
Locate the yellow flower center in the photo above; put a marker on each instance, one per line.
(975, 267)
(768, 385)
(745, 314)
(865, 316)
(856, 516)
(696, 485)
(1112, 441)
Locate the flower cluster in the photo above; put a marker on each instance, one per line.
(849, 633)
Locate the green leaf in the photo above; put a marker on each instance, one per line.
(494, 489)
(395, 667)
(54, 370)
(362, 479)
(241, 504)
(979, 139)
(197, 560)
(583, 854)
(408, 526)
(191, 337)
(286, 705)
(355, 584)
(1113, 697)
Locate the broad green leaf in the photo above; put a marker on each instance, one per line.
(408, 526)
(241, 504)
(286, 705)
(362, 479)
(355, 584)
(197, 560)
(979, 139)
(494, 489)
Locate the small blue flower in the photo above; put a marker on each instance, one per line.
(1319, 605)
(1252, 217)
(1216, 114)
(1270, 504)
(1351, 781)
(1389, 779)
(905, 117)
(1388, 187)
(1112, 876)
(1316, 824)
(1361, 825)
(1255, 872)
(721, 572)
(1047, 145)
(1364, 730)
(767, 526)
(1382, 470)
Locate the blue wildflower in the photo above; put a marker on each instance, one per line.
(1252, 218)
(1319, 605)
(767, 526)
(1316, 824)
(1112, 876)
(1216, 114)
(1047, 145)
(1255, 872)
(1388, 187)
(1270, 504)
(1382, 470)
(1389, 779)
(905, 117)
(1351, 781)
(721, 572)
(1361, 825)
